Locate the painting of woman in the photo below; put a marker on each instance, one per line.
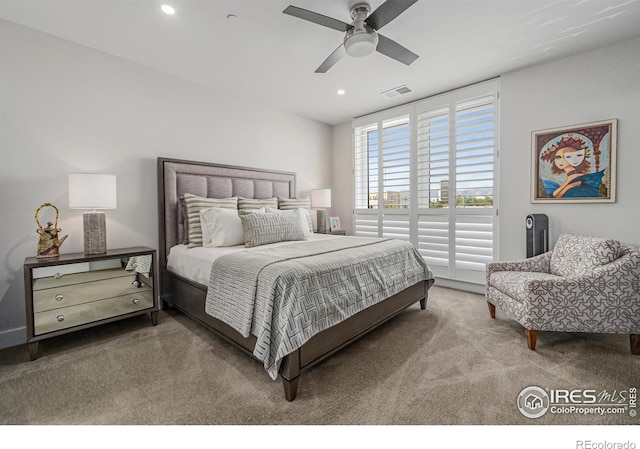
(573, 165)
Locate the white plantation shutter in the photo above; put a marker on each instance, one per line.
(475, 151)
(396, 225)
(474, 241)
(395, 162)
(382, 174)
(361, 163)
(365, 166)
(433, 241)
(367, 224)
(428, 176)
(433, 158)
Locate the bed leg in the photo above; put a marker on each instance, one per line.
(290, 373)
(423, 303)
(290, 388)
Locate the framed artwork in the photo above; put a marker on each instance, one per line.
(334, 223)
(574, 164)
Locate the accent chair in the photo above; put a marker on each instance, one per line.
(585, 284)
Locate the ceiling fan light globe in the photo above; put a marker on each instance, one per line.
(361, 44)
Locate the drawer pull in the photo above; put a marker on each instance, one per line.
(136, 283)
(60, 318)
(59, 297)
(135, 301)
(57, 275)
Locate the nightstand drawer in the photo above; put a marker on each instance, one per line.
(79, 293)
(66, 317)
(59, 278)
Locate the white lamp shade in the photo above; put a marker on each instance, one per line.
(92, 191)
(321, 198)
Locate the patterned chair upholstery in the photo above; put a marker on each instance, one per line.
(586, 284)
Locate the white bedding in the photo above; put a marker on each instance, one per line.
(195, 263)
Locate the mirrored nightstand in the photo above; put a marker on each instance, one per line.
(77, 291)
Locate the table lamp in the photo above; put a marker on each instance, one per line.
(93, 191)
(320, 199)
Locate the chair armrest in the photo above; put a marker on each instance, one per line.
(539, 264)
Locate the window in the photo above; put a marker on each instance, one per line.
(426, 173)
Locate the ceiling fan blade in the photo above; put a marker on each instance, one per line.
(388, 11)
(334, 57)
(319, 19)
(394, 50)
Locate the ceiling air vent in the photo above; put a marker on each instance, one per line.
(400, 90)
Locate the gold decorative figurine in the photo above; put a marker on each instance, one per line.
(49, 243)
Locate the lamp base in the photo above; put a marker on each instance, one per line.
(95, 232)
(322, 221)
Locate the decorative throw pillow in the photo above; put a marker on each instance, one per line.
(303, 216)
(252, 203)
(194, 205)
(575, 255)
(296, 203)
(260, 229)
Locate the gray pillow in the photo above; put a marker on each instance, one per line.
(576, 255)
(261, 229)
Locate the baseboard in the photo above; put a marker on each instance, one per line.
(13, 337)
(460, 285)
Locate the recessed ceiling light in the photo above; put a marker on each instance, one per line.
(232, 18)
(340, 92)
(168, 9)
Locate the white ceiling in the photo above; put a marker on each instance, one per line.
(270, 57)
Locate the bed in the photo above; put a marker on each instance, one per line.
(184, 272)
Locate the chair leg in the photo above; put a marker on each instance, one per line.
(532, 336)
(635, 344)
(492, 309)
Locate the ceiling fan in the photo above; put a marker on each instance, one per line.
(361, 36)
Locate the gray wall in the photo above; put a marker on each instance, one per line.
(599, 84)
(66, 108)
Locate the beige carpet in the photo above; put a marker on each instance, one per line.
(449, 364)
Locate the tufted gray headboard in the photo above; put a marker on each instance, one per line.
(177, 177)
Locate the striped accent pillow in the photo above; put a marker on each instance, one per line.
(194, 205)
(296, 203)
(252, 203)
(261, 229)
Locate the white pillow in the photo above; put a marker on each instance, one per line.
(303, 215)
(223, 227)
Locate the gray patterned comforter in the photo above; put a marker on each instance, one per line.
(285, 295)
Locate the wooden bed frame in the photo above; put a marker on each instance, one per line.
(176, 177)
